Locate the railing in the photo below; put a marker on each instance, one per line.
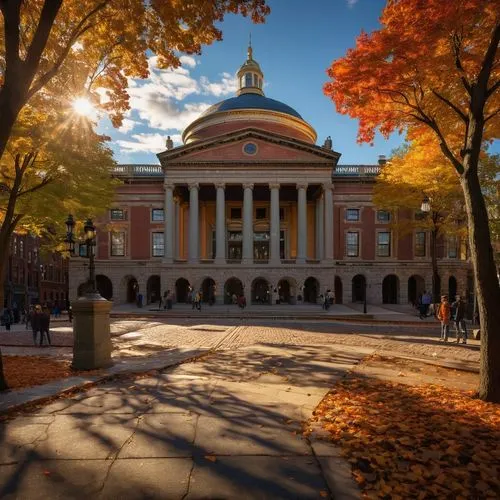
(138, 171)
(356, 171)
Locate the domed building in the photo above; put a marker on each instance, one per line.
(251, 205)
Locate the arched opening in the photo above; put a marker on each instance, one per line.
(339, 299)
(182, 290)
(284, 292)
(233, 288)
(153, 289)
(416, 288)
(311, 290)
(104, 286)
(208, 290)
(358, 288)
(390, 289)
(260, 291)
(452, 288)
(132, 289)
(82, 289)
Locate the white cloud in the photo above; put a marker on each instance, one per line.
(147, 143)
(188, 61)
(127, 125)
(227, 85)
(351, 3)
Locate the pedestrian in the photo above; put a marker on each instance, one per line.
(326, 302)
(7, 318)
(159, 303)
(27, 317)
(459, 319)
(169, 300)
(70, 314)
(425, 303)
(44, 326)
(444, 315)
(36, 321)
(197, 300)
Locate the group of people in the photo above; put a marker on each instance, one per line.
(446, 313)
(168, 298)
(38, 319)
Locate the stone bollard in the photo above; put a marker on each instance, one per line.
(91, 333)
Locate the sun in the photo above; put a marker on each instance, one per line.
(83, 106)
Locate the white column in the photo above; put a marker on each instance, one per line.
(220, 225)
(328, 255)
(194, 230)
(247, 223)
(176, 228)
(275, 224)
(302, 223)
(320, 227)
(168, 217)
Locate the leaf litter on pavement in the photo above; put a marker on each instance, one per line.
(413, 441)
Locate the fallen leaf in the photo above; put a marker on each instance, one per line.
(211, 458)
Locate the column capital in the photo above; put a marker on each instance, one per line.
(169, 184)
(220, 185)
(301, 185)
(193, 185)
(274, 185)
(327, 186)
(248, 185)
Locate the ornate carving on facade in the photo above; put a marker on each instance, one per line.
(248, 185)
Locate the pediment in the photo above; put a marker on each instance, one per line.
(233, 148)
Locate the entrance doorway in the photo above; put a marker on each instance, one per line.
(260, 291)
(390, 289)
(208, 290)
(132, 290)
(311, 290)
(182, 289)
(232, 287)
(284, 294)
(416, 288)
(104, 286)
(339, 299)
(358, 288)
(153, 289)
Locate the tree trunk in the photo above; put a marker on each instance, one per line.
(3, 382)
(487, 287)
(8, 112)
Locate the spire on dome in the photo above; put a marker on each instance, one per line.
(250, 76)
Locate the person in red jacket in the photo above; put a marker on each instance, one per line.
(444, 315)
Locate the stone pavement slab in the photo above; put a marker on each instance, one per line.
(227, 426)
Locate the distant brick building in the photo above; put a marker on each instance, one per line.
(250, 204)
(33, 277)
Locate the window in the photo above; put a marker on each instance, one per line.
(235, 213)
(352, 214)
(352, 244)
(158, 245)
(118, 244)
(383, 216)
(282, 245)
(15, 246)
(260, 213)
(157, 215)
(384, 244)
(21, 248)
(420, 244)
(29, 256)
(452, 247)
(117, 214)
(282, 213)
(248, 79)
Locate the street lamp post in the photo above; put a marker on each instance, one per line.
(91, 329)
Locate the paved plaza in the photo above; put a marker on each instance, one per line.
(220, 415)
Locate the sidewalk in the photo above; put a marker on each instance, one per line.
(225, 427)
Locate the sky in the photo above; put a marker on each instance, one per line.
(294, 48)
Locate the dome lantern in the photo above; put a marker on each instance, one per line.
(250, 76)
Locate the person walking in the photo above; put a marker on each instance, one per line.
(197, 301)
(169, 299)
(459, 319)
(44, 326)
(36, 322)
(7, 318)
(444, 315)
(425, 303)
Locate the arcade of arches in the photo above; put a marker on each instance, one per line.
(286, 290)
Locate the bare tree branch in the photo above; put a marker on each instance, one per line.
(456, 47)
(44, 182)
(491, 115)
(492, 89)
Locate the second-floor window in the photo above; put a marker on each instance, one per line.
(157, 215)
(235, 213)
(118, 244)
(452, 247)
(420, 240)
(352, 214)
(384, 244)
(117, 214)
(352, 244)
(158, 245)
(383, 216)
